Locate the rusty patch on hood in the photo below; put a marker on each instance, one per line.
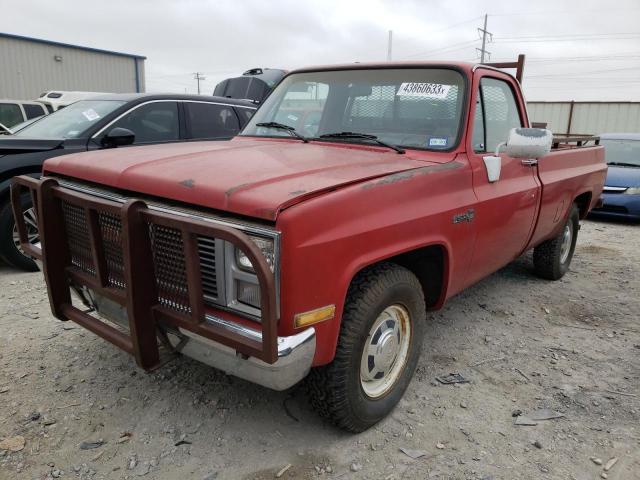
(189, 183)
(406, 175)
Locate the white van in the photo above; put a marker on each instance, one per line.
(57, 99)
(13, 112)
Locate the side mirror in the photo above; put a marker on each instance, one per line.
(118, 137)
(529, 143)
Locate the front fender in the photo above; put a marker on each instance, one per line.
(327, 240)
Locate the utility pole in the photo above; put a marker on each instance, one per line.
(198, 76)
(483, 52)
(389, 45)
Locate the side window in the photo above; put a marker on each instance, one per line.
(33, 111)
(208, 120)
(153, 122)
(10, 114)
(500, 112)
(245, 115)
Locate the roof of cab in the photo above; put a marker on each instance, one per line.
(466, 66)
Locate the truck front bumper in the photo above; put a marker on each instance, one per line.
(139, 267)
(295, 354)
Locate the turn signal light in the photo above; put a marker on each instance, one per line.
(314, 316)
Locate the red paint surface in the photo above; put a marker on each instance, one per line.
(343, 207)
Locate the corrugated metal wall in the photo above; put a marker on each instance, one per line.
(587, 117)
(28, 68)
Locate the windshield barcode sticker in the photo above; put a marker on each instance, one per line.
(428, 90)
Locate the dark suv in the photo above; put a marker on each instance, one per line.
(107, 121)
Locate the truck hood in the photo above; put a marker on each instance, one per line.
(251, 177)
(623, 176)
(12, 145)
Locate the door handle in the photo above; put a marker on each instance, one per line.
(530, 162)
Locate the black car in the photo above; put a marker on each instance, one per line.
(106, 121)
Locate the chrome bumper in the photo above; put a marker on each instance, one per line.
(295, 353)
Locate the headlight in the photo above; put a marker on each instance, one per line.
(632, 191)
(242, 286)
(266, 247)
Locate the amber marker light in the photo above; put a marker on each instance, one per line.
(314, 316)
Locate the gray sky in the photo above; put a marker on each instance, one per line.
(576, 49)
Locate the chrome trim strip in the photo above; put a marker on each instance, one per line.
(99, 132)
(614, 189)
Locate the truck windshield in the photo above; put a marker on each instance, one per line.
(413, 108)
(622, 152)
(72, 121)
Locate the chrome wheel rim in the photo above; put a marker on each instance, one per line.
(565, 247)
(385, 352)
(30, 220)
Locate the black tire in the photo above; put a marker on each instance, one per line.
(335, 390)
(8, 250)
(548, 258)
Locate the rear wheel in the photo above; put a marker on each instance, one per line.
(378, 348)
(552, 258)
(10, 250)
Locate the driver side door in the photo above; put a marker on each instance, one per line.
(507, 208)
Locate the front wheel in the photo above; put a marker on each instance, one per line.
(551, 259)
(378, 348)
(10, 250)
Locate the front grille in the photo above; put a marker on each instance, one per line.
(167, 250)
(207, 253)
(78, 238)
(111, 231)
(612, 209)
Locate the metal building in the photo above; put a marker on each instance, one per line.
(30, 66)
(587, 117)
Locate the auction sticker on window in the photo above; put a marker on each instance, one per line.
(427, 90)
(91, 115)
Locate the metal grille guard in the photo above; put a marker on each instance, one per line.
(140, 298)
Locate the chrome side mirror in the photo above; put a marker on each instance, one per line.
(529, 143)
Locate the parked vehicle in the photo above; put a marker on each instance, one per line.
(254, 85)
(58, 99)
(284, 251)
(13, 112)
(621, 197)
(111, 120)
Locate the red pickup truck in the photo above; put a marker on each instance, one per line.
(358, 198)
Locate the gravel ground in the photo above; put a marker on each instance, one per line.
(524, 344)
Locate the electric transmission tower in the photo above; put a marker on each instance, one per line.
(487, 37)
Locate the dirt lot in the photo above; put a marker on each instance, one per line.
(572, 346)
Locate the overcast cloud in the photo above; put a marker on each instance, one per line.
(576, 50)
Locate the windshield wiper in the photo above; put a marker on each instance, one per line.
(624, 164)
(282, 126)
(364, 136)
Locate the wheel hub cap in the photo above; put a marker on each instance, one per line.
(385, 351)
(31, 222)
(567, 238)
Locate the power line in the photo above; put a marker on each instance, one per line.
(198, 77)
